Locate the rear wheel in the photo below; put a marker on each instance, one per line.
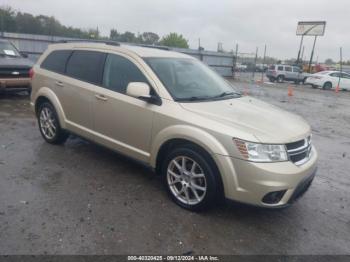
(191, 178)
(272, 79)
(280, 79)
(49, 125)
(327, 85)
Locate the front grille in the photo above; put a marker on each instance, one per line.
(299, 152)
(14, 72)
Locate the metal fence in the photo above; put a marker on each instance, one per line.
(34, 45)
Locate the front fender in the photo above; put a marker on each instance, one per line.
(51, 96)
(207, 142)
(190, 133)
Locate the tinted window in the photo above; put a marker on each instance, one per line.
(343, 75)
(86, 66)
(335, 74)
(119, 72)
(288, 69)
(296, 69)
(56, 61)
(280, 68)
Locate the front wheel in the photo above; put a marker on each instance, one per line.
(49, 125)
(191, 178)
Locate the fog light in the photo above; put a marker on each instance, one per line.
(273, 197)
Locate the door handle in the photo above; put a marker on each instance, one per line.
(101, 97)
(59, 83)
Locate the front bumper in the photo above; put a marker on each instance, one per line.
(14, 84)
(249, 182)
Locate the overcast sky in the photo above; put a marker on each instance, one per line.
(250, 23)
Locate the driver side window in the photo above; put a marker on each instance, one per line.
(119, 72)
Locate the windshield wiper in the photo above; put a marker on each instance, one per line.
(194, 98)
(223, 94)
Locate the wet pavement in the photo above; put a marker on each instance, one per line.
(81, 198)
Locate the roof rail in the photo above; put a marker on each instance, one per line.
(154, 46)
(107, 42)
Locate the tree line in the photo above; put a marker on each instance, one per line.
(19, 22)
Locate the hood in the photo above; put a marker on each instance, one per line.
(15, 62)
(268, 123)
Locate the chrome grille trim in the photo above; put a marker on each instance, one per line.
(301, 154)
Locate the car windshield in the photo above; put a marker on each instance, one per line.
(7, 49)
(190, 80)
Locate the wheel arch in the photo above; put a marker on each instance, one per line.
(47, 95)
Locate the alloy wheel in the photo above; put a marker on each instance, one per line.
(186, 180)
(48, 123)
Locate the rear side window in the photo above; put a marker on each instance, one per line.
(335, 74)
(280, 68)
(119, 72)
(56, 61)
(86, 66)
(288, 69)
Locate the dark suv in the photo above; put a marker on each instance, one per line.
(14, 68)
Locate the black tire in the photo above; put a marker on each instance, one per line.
(272, 80)
(327, 86)
(214, 191)
(280, 79)
(60, 136)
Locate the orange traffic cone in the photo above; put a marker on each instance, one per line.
(337, 89)
(290, 91)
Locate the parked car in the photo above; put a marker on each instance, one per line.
(14, 68)
(329, 80)
(241, 68)
(282, 73)
(178, 116)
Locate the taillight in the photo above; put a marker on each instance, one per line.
(31, 73)
(273, 72)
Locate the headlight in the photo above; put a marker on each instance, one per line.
(261, 152)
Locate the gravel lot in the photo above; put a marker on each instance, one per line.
(81, 198)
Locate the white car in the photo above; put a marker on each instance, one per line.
(329, 80)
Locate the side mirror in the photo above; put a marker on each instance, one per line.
(25, 55)
(138, 90)
(142, 91)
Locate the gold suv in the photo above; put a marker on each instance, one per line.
(174, 113)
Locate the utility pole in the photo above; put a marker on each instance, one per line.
(341, 65)
(263, 65)
(235, 62)
(256, 58)
(312, 54)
